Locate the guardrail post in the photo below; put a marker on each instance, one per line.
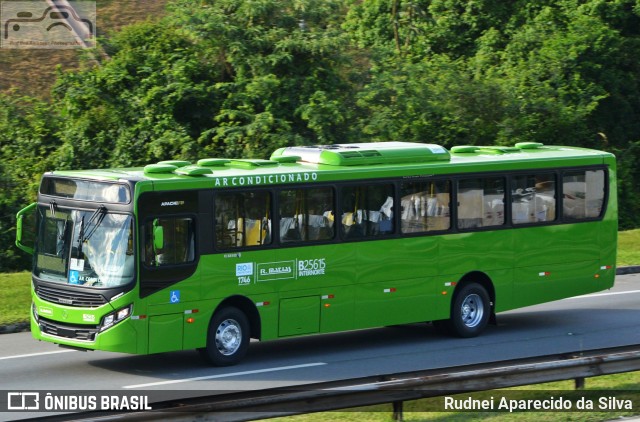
(579, 383)
(397, 411)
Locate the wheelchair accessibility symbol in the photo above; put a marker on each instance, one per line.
(175, 296)
(74, 277)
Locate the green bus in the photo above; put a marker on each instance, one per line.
(316, 239)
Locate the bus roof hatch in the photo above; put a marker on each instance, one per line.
(365, 153)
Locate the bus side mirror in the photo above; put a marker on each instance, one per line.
(26, 211)
(158, 237)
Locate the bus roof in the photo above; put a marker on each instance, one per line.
(353, 161)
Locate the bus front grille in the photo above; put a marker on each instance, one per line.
(70, 298)
(70, 331)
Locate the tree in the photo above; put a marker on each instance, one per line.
(282, 61)
(239, 78)
(27, 141)
(149, 102)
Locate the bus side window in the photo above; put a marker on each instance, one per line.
(481, 202)
(583, 194)
(306, 214)
(425, 206)
(177, 245)
(533, 198)
(367, 211)
(243, 219)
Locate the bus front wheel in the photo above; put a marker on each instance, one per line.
(228, 337)
(470, 312)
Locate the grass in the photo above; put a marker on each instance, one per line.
(15, 297)
(629, 247)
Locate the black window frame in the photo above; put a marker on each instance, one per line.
(271, 210)
(534, 172)
(342, 210)
(306, 187)
(149, 236)
(455, 223)
(396, 183)
(605, 198)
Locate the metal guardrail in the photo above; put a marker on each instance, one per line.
(390, 388)
(631, 269)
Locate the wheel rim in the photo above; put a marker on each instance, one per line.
(472, 310)
(228, 337)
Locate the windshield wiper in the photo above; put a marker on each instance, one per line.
(95, 219)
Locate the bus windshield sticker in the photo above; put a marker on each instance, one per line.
(74, 277)
(76, 264)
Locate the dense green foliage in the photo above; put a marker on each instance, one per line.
(242, 77)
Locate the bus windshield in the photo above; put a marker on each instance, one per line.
(89, 248)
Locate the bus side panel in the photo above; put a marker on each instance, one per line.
(396, 283)
(555, 262)
(397, 259)
(488, 252)
(326, 272)
(337, 310)
(378, 305)
(165, 333)
(234, 274)
(476, 251)
(299, 315)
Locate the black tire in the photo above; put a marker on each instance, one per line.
(470, 312)
(228, 337)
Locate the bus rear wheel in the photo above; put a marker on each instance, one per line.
(470, 312)
(228, 337)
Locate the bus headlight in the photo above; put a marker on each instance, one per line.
(115, 317)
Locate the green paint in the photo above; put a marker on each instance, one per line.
(320, 286)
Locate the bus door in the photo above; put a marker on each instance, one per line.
(169, 228)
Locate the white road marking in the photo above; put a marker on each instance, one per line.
(604, 294)
(232, 374)
(35, 354)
